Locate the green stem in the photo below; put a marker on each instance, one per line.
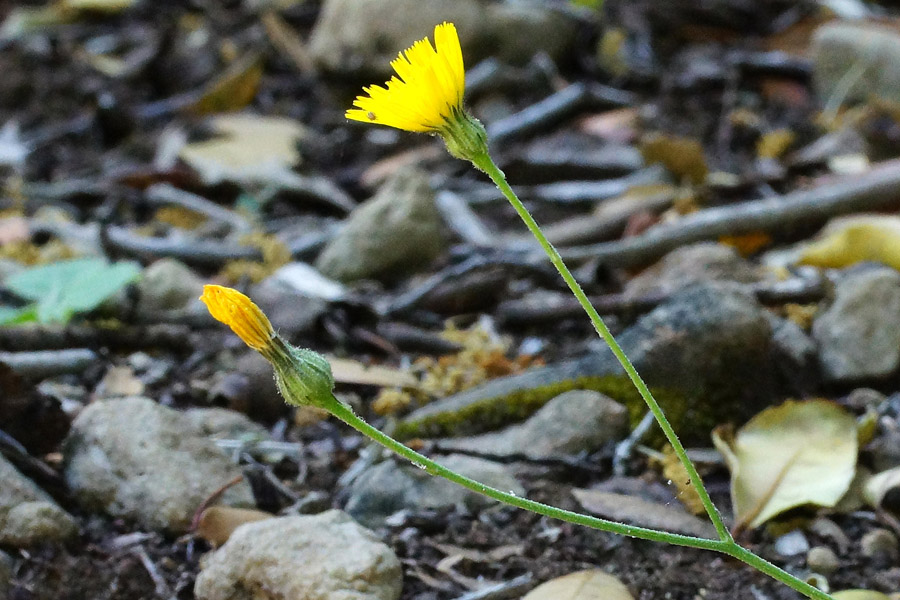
(486, 164)
(728, 547)
(346, 414)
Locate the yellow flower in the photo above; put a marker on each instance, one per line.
(429, 91)
(240, 313)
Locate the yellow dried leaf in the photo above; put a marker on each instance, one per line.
(683, 157)
(234, 90)
(352, 371)
(859, 595)
(674, 471)
(787, 456)
(305, 416)
(390, 401)
(775, 143)
(592, 584)
(612, 51)
(120, 381)
(849, 240)
(179, 216)
(747, 244)
(217, 523)
(249, 148)
(275, 254)
(802, 315)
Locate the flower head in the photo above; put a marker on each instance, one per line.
(428, 92)
(240, 313)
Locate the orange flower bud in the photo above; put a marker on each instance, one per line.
(240, 313)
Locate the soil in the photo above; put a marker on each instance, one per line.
(91, 129)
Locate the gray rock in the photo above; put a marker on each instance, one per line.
(250, 389)
(363, 36)
(398, 231)
(221, 423)
(856, 60)
(135, 459)
(831, 531)
(292, 312)
(881, 544)
(859, 334)
(792, 543)
(823, 560)
(389, 487)
(706, 352)
(885, 450)
(323, 557)
(28, 515)
(796, 356)
(32, 523)
(864, 399)
(688, 265)
(168, 284)
(577, 421)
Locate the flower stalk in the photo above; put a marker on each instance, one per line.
(304, 378)
(427, 97)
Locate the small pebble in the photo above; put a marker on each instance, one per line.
(823, 560)
(830, 530)
(792, 544)
(880, 544)
(864, 398)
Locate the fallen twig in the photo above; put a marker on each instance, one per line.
(47, 363)
(514, 588)
(206, 253)
(556, 107)
(19, 338)
(878, 189)
(798, 289)
(448, 280)
(164, 194)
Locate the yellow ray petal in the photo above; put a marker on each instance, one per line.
(427, 91)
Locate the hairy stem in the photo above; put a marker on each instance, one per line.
(486, 164)
(346, 414)
(728, 547)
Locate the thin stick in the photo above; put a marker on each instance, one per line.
(875, 190)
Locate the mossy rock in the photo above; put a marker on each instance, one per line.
(706, 355)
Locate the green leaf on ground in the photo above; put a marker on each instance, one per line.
(62, 289)
(787, 456)
(14, 316)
